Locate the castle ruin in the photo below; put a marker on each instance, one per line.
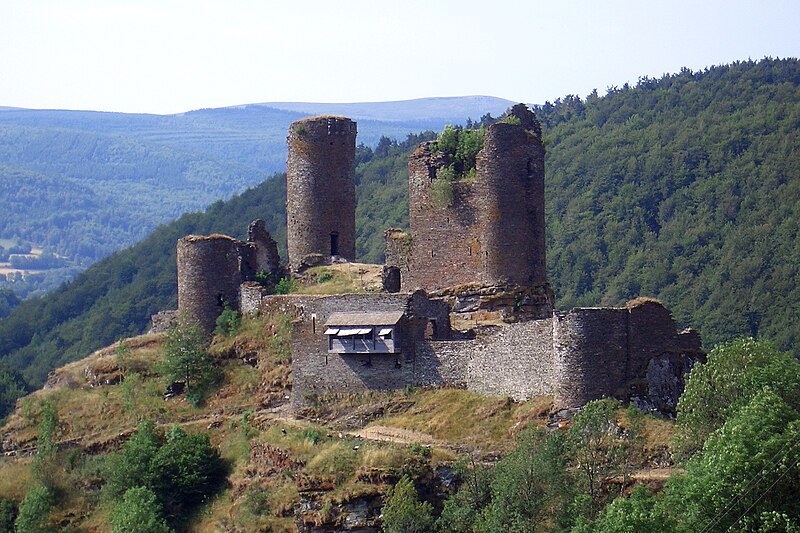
(212, 268)
(466, 300)
(321, 191)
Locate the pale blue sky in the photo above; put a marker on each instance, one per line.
(167, 56)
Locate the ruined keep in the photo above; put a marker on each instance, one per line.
(492, 230)
(212, 268)
(320, 191)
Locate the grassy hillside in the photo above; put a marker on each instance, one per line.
(330, 465)
(683, 188)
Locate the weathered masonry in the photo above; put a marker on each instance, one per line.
(579, 356)
(466, 301)
(212, 268)
(321, 191)
(492, 232)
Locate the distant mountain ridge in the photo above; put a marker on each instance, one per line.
(447, 108)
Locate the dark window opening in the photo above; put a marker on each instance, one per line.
(334, 244)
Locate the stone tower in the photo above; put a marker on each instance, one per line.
(492, 229)
(320, 190)
(209, 274)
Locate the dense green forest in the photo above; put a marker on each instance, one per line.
(683, 188)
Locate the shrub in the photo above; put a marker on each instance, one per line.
(228, 322)
(34, 511)
(131, 466)
(312, 435)
(404, 512)
(139, 510)
(44, 464)
(185, 470)
(285, 286)
(8, 513)
(186, 359)
(181, 469)
(734, 374)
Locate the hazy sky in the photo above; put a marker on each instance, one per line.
(167, 56)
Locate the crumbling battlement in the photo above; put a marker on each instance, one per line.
(211, 269)
(320, 190)
(575, 357)
(492, 229)
(597, 351)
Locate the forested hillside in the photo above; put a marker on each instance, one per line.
(684, 188)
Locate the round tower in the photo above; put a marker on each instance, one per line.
(208, 277)
(320, 190)
(511, 185)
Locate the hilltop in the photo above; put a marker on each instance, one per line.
(241, 461)
(329, 467)
(680, 188)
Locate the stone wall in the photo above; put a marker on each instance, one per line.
(261, 252)
(209, 275)
(320, 188)
(517, 361)
(316, 372)
(493, 229)
(583, 355)
(591, 351)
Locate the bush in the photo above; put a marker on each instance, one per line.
(8, 513)
(131, 466)
(748, 473)
(181, 469)
(34, 511)
(228, 322)
(530, 485)
(286, 286)
(734, 374)
(138, 511)
(44, 464)
(186, 359)
(404, 512)
(186, 470)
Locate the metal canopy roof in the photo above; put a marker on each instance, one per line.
(364, 319)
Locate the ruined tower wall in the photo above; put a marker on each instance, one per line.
(260, 253)
(652, 334)
(492, 230)
(445, 249)
(591, 350)
(320, 188)
(510, 185)
(208, 277)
